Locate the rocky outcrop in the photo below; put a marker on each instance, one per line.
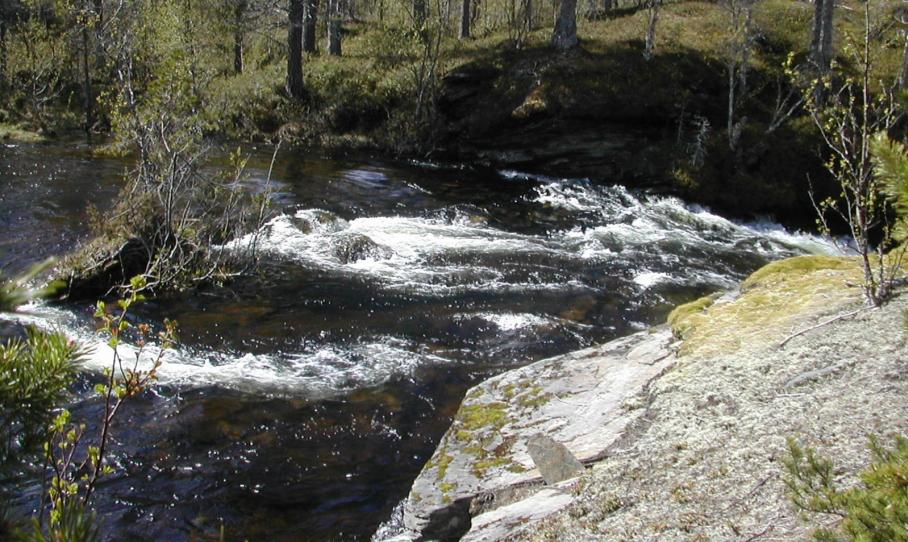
(515, 432)
(796, 355)
(682, 439)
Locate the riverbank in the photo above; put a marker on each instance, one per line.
(694, 447)
(602, 112)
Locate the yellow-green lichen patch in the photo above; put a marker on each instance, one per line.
(533, 398)
(509, 391)
(480, 467)
(463, 435)
(483, 416)
(475, 393)
(683, 317)
(443, 462)
(772, 304)
(793, 269)
(447, 487)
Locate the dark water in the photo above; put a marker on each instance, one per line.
(302, 403)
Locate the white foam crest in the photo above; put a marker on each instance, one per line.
(648, 279)
(412, 253)
(806, 242)
(513, 175)
(511, 321)
(626, 220)
(317, 371)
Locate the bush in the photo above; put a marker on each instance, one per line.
(876, 510)
(34, 374)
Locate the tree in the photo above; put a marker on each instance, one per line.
(239, 30)
(34, 376)
(564, 37)
(334, 27)
(295, 85)
(420, 11)
(652, 10)
(901, 15)
(875, 510)
(848, 119)
(821, 40)
(5, 18)
(464, 19)
(311, 28)
(88, 18)
(737, 49)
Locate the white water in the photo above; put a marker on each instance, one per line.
(646, 242)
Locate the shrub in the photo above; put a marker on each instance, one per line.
(876, 510)
(34, 374)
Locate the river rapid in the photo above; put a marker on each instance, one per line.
(301, 403)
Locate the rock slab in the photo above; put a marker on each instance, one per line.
(531, 424)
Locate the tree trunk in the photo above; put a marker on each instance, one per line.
(903, 73)
(334, 27)
(649, 49)
(528, 15)
(419, 11)
(465, 19)
(86, 83)
(607, 5)
(238, 15)
(821, 41)
(2, 51)
(309, 35)
(295, 50)
(565, 35)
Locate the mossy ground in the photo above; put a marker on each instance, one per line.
(19, 133)
(682, 317)
(772, 300)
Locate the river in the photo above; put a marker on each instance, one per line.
(301, 403)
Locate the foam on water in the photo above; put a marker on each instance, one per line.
(421, 254)
(647, 241)
(314, 371)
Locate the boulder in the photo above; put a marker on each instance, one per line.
(353, 247)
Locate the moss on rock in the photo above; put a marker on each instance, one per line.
(773, 300)
(680, 319)
(483, 416)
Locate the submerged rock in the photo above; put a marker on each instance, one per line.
(353, 247)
